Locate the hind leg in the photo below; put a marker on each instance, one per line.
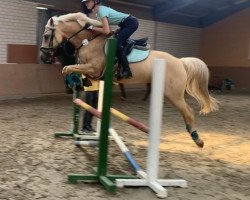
(188, 116)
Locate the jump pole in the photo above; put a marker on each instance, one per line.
(100, 175)
(155, 122)
(140, 173)
(114, 136)
(115, 112)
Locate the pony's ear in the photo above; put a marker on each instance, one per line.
(51, 22)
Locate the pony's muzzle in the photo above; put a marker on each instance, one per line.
(46, 55)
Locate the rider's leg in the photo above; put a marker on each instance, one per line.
(91, 98)
(128, 27)
(125, 72)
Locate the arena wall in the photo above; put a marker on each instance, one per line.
(18, 21)
(28, 80)
(28, 31)
(225, 47)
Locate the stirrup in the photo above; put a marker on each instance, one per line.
(125, 74)
(119, 76)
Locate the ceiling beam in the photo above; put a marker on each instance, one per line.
(130, 4)
(220, 14)
(170, 7)
(70, 6)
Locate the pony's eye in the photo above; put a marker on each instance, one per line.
(46, 37)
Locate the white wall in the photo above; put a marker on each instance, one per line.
(18, 24)
(178, 40)
(146, 29)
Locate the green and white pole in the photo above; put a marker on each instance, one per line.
(104, 131)
(100, 175)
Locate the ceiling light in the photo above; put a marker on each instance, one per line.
(240, 2)
(41, 8)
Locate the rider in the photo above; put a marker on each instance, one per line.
(128, 25)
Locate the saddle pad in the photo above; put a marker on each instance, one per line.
(136, 55)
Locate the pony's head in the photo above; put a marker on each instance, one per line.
(51, 40)
(59, 30)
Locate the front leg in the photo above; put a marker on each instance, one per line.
(81, 69)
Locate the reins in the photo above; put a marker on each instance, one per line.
(92, 38)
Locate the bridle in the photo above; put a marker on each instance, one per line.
(51, 50)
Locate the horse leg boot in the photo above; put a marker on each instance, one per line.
(188, 116)
(125, 70)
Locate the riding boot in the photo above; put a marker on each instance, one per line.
(125, 70)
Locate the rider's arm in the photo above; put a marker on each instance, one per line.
(105, 27)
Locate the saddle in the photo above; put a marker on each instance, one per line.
(140, 44)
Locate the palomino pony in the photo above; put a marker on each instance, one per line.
(183, 75)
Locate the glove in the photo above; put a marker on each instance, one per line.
(115, 31)
(88, 26)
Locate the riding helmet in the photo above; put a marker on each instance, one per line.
(95, 1)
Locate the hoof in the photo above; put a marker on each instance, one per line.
(65, 70)
(123, 98)
(200, 143)
(196, 139)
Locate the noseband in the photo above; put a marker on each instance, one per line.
(49, 50)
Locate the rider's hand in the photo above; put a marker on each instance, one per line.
(88, 26)
(115, 31)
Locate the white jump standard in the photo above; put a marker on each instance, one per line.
(151, 180)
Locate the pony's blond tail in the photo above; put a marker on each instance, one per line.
(197, 84)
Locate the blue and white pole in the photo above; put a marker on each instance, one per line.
(127, 153)
(90, 143)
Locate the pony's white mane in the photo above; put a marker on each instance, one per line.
(81, 18)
